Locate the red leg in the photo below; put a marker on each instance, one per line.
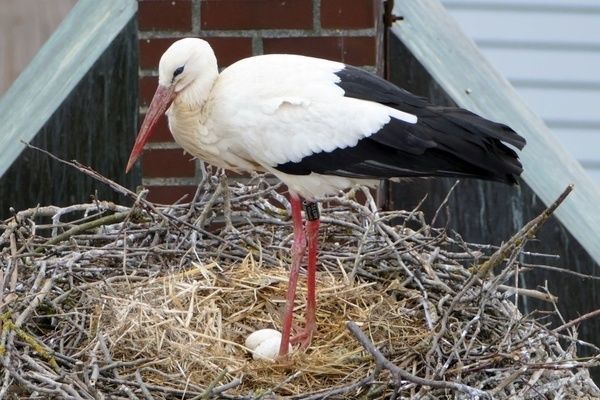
(312, 233)
(297, 253)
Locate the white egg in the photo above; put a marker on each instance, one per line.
(260, 336)
(268, 349)
(264, 344)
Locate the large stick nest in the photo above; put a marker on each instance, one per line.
(105, 301)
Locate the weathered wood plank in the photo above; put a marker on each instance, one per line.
(57, 68)
(457, 66)
(95, 125)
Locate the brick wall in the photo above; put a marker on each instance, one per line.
(341, 30)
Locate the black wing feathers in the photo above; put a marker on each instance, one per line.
(445, 141)
(360, 84)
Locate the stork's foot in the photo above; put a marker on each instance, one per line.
(304, 336)
(301, 338)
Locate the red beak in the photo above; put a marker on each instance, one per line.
(160, 102)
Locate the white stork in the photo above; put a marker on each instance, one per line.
(319, 126)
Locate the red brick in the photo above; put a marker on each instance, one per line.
(147, 87)
(256, 14)
(345, 14)
(227, 49)
(165, 15)
(167, 163)
(151, 50)
(161, 131)
(170, 194)
(352, 50)
(230, 49)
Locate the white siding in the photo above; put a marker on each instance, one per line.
(550, 51)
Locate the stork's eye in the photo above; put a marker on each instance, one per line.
(177, 71)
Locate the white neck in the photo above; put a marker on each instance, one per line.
(197, 92)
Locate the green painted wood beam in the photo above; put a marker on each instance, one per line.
(455, 63)
(56, 69)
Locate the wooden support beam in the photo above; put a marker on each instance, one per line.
(57, 68)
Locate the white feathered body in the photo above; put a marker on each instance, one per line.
(269, 110)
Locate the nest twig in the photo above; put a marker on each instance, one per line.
(105, 301)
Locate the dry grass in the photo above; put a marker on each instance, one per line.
(193, 324)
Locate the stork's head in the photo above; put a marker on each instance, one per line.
(187, 69)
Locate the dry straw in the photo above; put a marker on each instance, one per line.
(154, 302)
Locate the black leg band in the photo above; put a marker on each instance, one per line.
(311, 208)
